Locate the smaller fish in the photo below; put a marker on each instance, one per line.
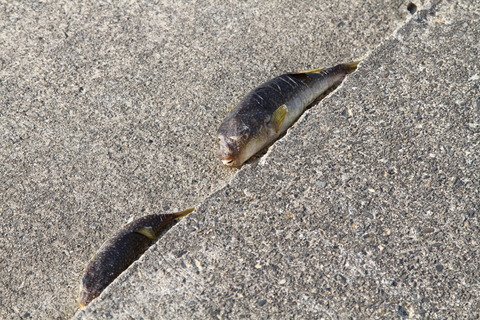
(118, 253)
(270, 109)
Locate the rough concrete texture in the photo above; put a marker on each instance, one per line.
(368, 207)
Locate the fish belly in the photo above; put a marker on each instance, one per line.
(300, 101)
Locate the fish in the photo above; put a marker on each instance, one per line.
(270, 109)
(120, 251)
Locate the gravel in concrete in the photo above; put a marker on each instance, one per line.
(367, 209)
(108, 111)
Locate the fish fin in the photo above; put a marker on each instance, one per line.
(147, 232)
(183, 213)
(309, 71)
(351, 66)
(279, 116)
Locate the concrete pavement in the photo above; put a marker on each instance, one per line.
(367, 207)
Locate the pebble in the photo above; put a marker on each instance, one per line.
(262, 302)
(321, 184)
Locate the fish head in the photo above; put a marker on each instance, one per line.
(238, 141)
(231, 147)
(85, 297)
(90, 288)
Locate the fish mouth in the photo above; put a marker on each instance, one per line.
(227, 162)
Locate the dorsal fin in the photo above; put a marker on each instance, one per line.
(309, 71)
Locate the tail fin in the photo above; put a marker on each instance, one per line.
(183, 213)
(351, 66)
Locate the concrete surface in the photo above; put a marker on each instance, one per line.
(368, 207)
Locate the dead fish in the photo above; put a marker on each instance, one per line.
(118, 253)
(268, 110)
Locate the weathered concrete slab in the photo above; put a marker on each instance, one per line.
(108, 111)
(367, 209)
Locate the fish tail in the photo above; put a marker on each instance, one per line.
(181, 214)
(350, 67)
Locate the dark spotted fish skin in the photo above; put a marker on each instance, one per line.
(262, 101)
(248, 128)
(118, 253)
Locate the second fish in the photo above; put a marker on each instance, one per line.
(267, 111)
